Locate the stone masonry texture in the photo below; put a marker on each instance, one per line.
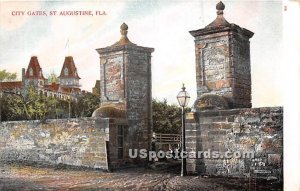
(222, 51)
(102, 141)
(258, 130)
(75, 142)
(223, 67)
(125, 79)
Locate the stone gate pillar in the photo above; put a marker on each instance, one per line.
(223, 63)
(223, 78)
(125, 84)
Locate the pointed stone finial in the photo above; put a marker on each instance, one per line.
(124, 39)
(220, 8)
(220, 21)
(124, 29)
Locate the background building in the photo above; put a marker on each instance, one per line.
(96, 88)
(68, 86)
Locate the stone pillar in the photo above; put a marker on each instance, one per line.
(193, 143)
(125, 82)
(223, 61)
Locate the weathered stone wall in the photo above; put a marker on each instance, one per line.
(112, 78)
(139, 98)
(223, 67)
(258, 130)
(240, 69)
(126, 79)
(212, 60)
(75, 142)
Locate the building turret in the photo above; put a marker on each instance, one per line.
(34, 74)
(69, 77)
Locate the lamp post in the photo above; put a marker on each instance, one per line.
(183, 99)
(0, 104)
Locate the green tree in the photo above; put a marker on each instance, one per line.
(7, 76)
(86, 104)
(166, 118)
(33, 106)
(6, 114)
(52, 78)
(30, 106)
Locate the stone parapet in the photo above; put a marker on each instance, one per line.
(75, 142)
(256, 130)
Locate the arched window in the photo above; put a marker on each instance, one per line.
(30, 72)
(66, 71)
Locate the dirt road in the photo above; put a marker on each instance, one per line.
(25, 178)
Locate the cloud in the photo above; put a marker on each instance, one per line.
(8, 21)
(83, 34)
(165, 28)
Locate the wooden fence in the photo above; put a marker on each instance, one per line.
(166, 139)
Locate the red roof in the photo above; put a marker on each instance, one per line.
(71, 68)
(10, 85)
(70, 90)
(52, 87)
(36, 69)
(57, 88)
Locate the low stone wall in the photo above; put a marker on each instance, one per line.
(257, 130)
(75, 142)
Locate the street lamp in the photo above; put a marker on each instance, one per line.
(183, 99)
(0, 104)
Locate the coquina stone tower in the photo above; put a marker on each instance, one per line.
(125, 85)
(222, 64)
(213, 128)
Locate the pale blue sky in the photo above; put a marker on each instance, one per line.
(162, 24)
